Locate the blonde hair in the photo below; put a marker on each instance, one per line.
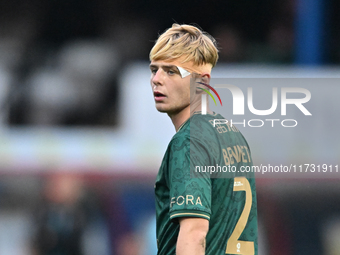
(186, 42)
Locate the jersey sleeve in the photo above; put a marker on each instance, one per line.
(190, 193)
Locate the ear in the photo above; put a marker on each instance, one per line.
(205, 78)
(200, 80)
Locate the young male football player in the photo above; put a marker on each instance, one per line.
(205, 202)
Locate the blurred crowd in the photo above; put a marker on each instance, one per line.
(61, 60)
(73, 214)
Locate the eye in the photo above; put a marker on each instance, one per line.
(171, 72)
(153, 70)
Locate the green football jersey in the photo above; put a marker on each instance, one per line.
(206, 173)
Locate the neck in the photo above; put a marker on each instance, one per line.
(179, 118)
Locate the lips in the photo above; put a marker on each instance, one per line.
(158, 96)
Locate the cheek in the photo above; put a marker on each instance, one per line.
(188, 91)
(183, 92)
(194, 91)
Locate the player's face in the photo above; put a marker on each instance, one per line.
(171, 92)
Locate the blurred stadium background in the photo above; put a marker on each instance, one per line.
(81, 142)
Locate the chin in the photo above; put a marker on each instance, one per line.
(168, 110)
(161, 109)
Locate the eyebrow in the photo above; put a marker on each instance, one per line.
(163, 66)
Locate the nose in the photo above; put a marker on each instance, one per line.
(156, 78)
